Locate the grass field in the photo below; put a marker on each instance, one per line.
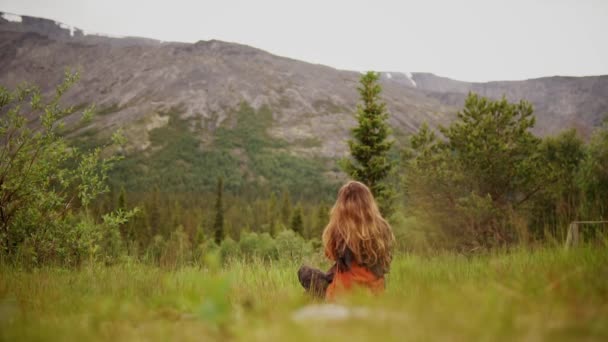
(546, 294)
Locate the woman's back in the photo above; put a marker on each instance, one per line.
(359, 240)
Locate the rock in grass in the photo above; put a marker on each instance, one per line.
(329, 312)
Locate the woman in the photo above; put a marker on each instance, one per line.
(359, 240)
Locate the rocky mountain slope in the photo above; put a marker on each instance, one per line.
(135, 82)
(559, 102)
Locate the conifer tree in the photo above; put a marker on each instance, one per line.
(286, 207)
(218, 224)
(122, 199)
(154, 214)
(272, 211)
(369, 162)
(297, 224)
(322, 220)
(126, 229)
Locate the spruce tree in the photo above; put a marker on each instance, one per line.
(286, 207)
(297, 223)
(322, 220)
(369, 162)
(218, 224)
(125, 228)
(272, 212)
(122, 199)
(154, 214)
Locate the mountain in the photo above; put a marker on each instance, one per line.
(559, 102)
(156, 90)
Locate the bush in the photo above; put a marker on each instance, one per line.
(177, 252)
(42, 179)
(248, 244)
(291, 246)
(203, 249)
(267, 249)
(253, 245)
(229, 250)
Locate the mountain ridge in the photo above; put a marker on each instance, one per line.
(135, 82)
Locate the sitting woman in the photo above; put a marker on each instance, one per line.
(359, 240)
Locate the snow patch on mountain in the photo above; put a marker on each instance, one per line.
(410, 77)
(90, 33)
(66, 27)
(12, 17)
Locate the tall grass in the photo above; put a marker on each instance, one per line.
(545, 294)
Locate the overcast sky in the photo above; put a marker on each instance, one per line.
(473, 40)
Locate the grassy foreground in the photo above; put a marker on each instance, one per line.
(547, 294)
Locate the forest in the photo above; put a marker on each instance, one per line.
(485, 181)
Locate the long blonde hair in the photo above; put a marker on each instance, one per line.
(356, 223)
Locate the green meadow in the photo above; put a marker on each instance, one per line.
(543, 294)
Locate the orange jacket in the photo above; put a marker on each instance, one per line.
(354, 277)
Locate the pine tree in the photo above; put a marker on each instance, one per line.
(286, 207)
(272, 212)
(125, 228)
(297, 224)
(154, 214)
(369, 162)
(218, 224)
(141, 228)
(122, 199)
(322, 220)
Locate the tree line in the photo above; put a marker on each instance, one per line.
(482, 182)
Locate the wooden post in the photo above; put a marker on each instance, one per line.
(573, 237)
(569, 237)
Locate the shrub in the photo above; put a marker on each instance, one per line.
(291, 246)
(42, 178)
(177, 252)
(253, 245)
(248, 244)
(229, 249)
(204, 248)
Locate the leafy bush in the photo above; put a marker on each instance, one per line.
(203, 249)
(177, 251)
(253, 245)
(42, 179)
(291, 246)
(229, 249)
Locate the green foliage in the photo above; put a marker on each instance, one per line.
(297, 225)
(592, 177)
(557, 204)
(291, 246)
(242, 152)
(218, 224)
(42, 179)
(177, 251)
(489, 181)
(369, 148)
(258, 246)
(493, 143)
(122, 199)
(229, 249)
(321, 220)
(488, 165)
(286, 207)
